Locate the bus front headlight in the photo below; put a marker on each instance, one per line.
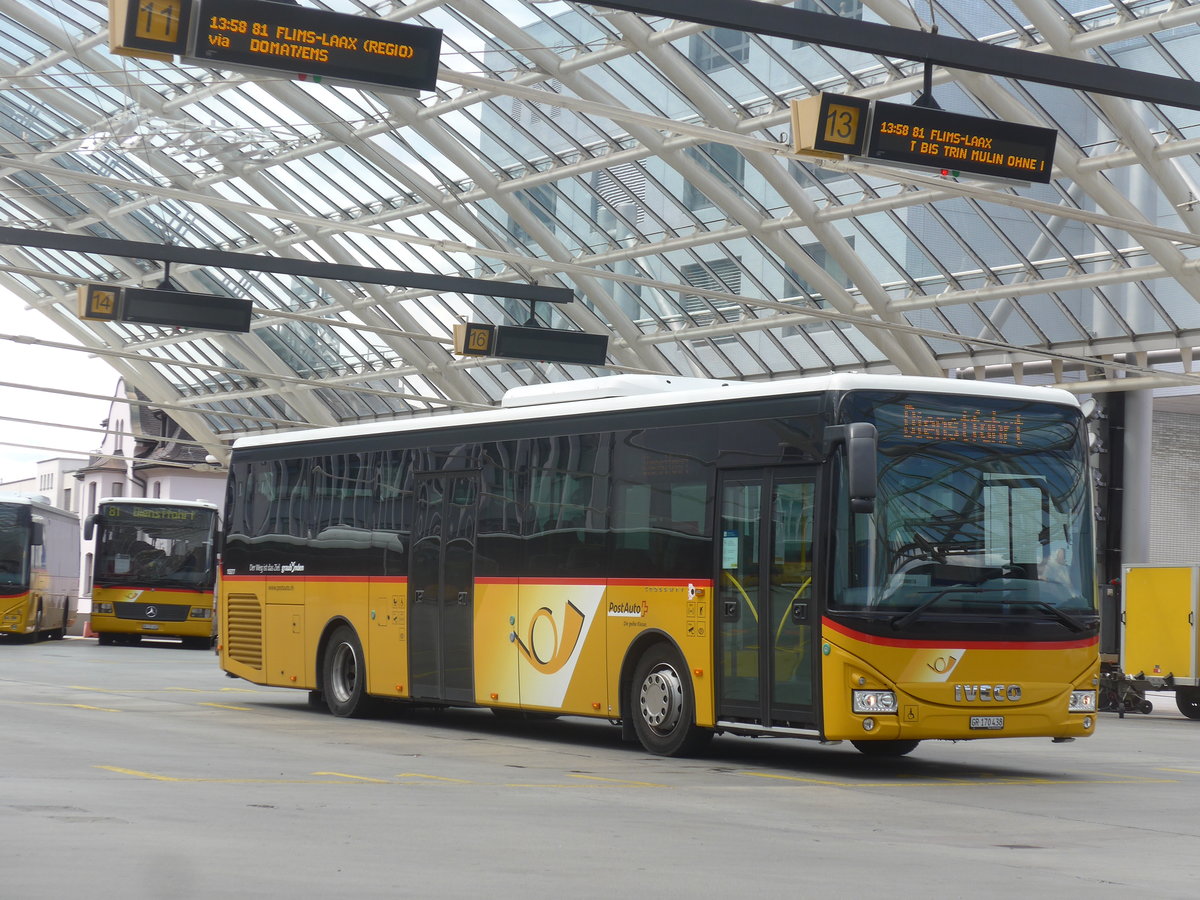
(878, 702)
(105, 608)
(1082, 702)
(201, 612)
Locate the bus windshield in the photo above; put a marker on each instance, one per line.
(155, 547)
(14, 546)
(981, 504)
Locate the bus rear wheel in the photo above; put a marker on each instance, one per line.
(885, 748)
(344, 675)
(662, 705)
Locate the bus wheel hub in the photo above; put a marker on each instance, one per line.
(661, 698)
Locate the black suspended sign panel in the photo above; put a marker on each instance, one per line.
(171, 309)
(540, 344)
(920, 136)
(833, 125)
(260, 35)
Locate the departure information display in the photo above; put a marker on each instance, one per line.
(312, 43)
(833, 125)
(922, 136)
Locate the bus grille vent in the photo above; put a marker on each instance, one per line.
(245, 624)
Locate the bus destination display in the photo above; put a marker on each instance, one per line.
(934, 138)
(339, 47)
(969, 426)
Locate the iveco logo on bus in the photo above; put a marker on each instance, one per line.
(970, 693)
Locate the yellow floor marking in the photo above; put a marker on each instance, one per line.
(71, 706)
(356, 777)
(166, 690)
(797, 778)
(151, 776)
(227, 706)
(135, 772)
(1183, 771)
(432, 777)
(615, 780)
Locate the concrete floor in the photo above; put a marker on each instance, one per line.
(143, 772)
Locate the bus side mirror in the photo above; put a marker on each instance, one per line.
(861, 464)
(37, 534)
(89, 526)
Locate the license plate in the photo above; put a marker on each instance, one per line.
(987, 723)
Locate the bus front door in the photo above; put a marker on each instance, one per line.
(441, 580)
(765, 598)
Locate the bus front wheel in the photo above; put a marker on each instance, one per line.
(885, 748)
(662, 705)
(344, 676)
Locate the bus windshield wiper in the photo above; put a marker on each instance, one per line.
(1066, 618)
(902, 621)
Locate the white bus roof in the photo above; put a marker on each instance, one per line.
(39, 502)
(630, 392)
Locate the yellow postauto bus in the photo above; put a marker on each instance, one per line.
(846, 558)
(153, 570)
(39, 568)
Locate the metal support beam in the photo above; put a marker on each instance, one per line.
(922, 46)
(301, 268)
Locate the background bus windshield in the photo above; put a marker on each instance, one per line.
(981, 502)
(154, 551)
(14, 541)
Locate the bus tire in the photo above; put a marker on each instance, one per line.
(105, 638)
(885, 748)
(663, 706)
(60, 633)
(1188, 701)
(344, 674)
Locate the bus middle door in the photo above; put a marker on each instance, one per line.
(441, 587)
(765, 597)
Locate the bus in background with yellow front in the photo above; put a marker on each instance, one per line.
(39, 568)
(153, 570)
(873, 559)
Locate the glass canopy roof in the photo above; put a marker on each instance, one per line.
(645, 164)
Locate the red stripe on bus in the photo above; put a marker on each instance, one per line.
(158, 590)
(973, 645)
(625, 582)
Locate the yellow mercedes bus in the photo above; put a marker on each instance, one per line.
(39, 568)
(845, 558)
(153, 570)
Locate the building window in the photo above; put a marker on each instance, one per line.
(724, 161)
(157, 489)
(719, 48)
(542, 201)
(724, 275)
(118, 489)
(91, 497)
(87, 575)
(66, 498)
